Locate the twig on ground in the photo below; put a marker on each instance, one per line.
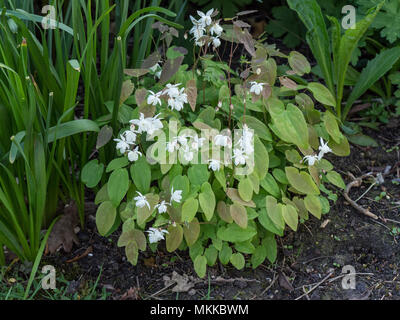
(272, 283)
(88, 250)
(316, 286)
(356, 183)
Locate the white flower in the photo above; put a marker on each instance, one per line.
(141, 201)
(130, 136)
(134, 155)
(256, 87)
(197, 143)
(205, 18)
(172, 90)
(216, 29)
(162, 207)
(156, 235)
(123, 145)
(246, 140)
(215, 165)
(311, 159)
(153, 124)
(223, 141)
(154, 98)
(182, 139)
(239, 156)
(323, 149)
(172, 146)
(188, 154)
(216, 42)
(141, 123)
(176, 195)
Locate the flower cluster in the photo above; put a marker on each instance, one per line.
(244, 148)
(323, 149)
(206, 30)
(182, 143)
(156, 235)
(127, 141)
(176, 97)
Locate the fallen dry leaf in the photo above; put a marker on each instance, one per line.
(63, 231)
(284, 282)
(183, 283)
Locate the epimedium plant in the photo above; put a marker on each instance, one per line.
(217, 161)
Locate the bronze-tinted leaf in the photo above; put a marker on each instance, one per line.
(104, 136)
(174, 237)
(191, 231)
(170, 68)
(288, 83)
(191, 91)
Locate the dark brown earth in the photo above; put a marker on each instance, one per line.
(314, 256)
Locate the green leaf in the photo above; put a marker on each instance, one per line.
(374, 70)
(245, 189)
(362, 140)
(261, 158)
(117, 186)
(260, 129)
(105, 217)
(274, 211)
(317, 36)
(239, 214)
(189, 209)
(290, 124)
(117, 164)
(200, 266)
(336, 179)
(225, 254)
(267, 223)
(332, 126)
(313, 205)
(301, 181)
(141, 175)
(211, 254)
(174, 237)
(191, 231)
(348, 43)
(198, 174)
(237, 260)
(207, 200)
(234, 233)
(269, 243)
(269, 184)
(92, 173)
(322, 94)
(290, 216)
(144, 213)
(258, 257)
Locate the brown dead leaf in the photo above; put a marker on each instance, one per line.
(150, 262)
(284, 282)
(63, 231)
(183, 283)
(131, 294)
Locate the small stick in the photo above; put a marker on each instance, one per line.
(88, 250)
(356, 183)
(315, 287)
